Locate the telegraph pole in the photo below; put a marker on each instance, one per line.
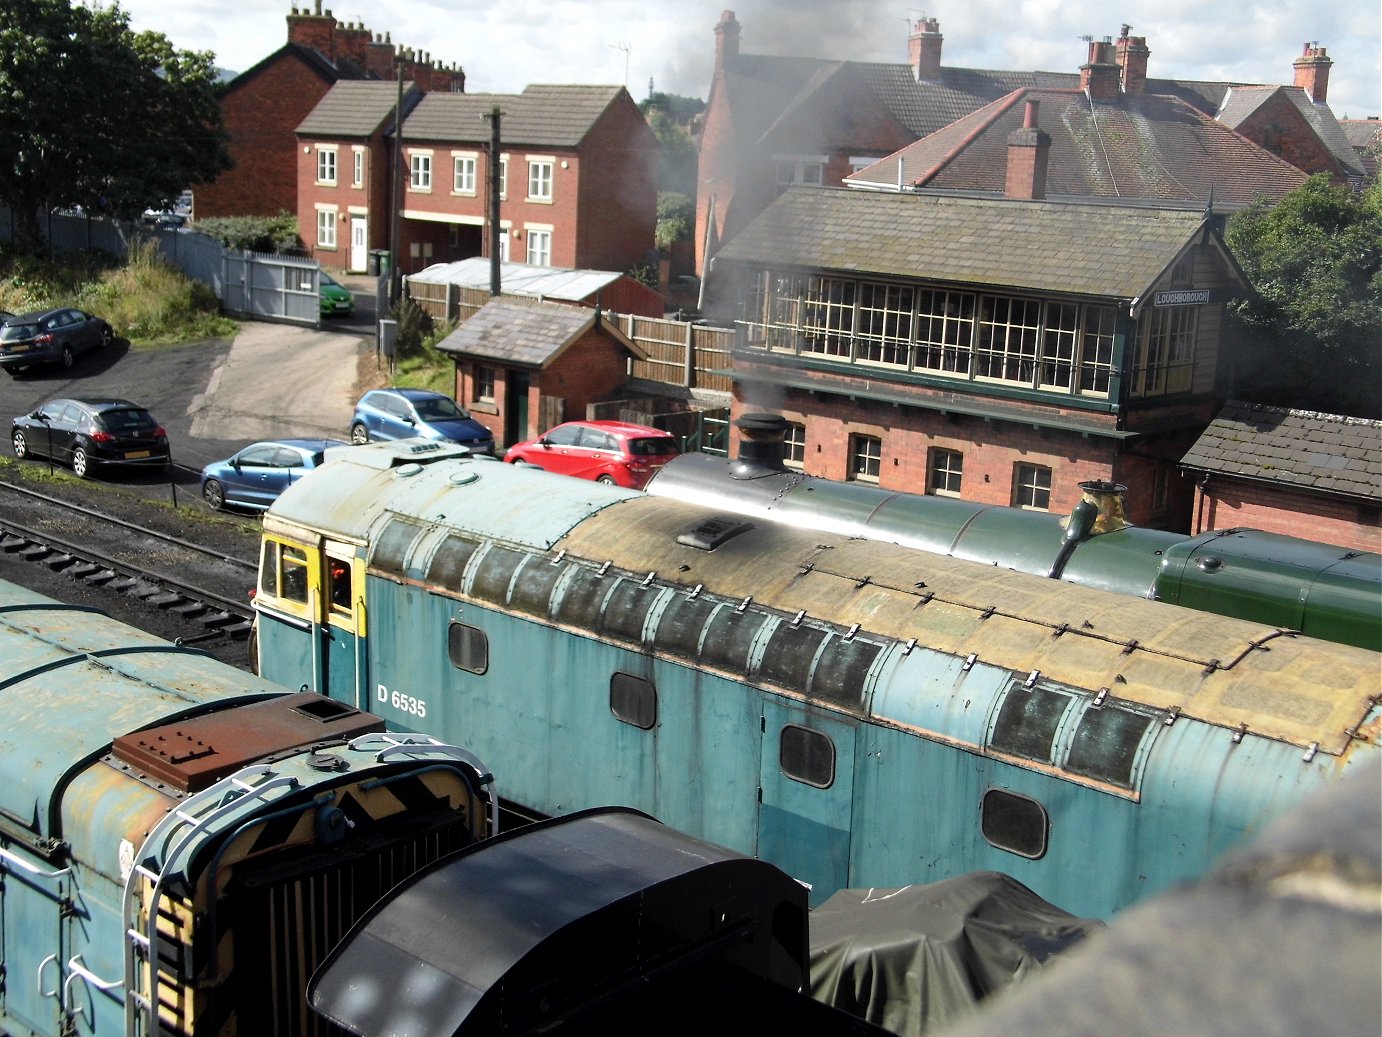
(493, 117)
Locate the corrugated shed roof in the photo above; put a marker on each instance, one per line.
(554, 116)
(1328, 453)
(542, 282)
(1097, 250)
(1148, 147)
(356, 108)
(520, 333)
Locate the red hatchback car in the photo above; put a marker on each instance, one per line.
(606, 451)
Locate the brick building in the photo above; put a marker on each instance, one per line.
(1294, 472)
(772, 122)
(263, 106)
(344, 165)
(523, 366)
(994, 349)
(578, 179)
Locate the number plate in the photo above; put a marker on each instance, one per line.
(131, 455)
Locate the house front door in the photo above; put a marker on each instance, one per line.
(359, 244)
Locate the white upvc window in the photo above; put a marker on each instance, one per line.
(326, 164)
(1032, 487)
(540, 179)
(539, 247)
(463, 174)
(799, 169)
(503, 176)
(420, 163)
(326, 227)
(358, 173)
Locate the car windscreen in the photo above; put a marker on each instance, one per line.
(126, 419)
(438, 408)
(651, 447)
(15, 332)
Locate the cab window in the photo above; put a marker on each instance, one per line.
(339, 586)
(283, 572)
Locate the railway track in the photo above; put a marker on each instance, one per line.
(197, 590)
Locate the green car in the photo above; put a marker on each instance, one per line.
(335, 297)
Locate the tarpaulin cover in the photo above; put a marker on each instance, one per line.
(918, 958)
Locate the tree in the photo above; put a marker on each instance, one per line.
(676, 219)
(668, 116)
(1315, 261)
(99, 116)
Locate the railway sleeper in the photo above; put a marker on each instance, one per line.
(58, 562)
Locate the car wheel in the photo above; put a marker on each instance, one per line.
(214, 494)
(359, 435)
(21, 446)
(81, 464)
(608, 480)
(67, 357)
(107, 336)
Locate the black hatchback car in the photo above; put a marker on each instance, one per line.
(91, 431)
(51, 337)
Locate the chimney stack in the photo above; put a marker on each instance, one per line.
(1132, 57)
(1028, 154)
(1312, 72)
(726, 41)
(1099, 75)
(924, 51)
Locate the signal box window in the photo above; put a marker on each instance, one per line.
(947, 467)
(807, 756)
(467, 647)
(794, 446)
(865, 458)
(1014, 823)
(1032, 487)
(633, 700)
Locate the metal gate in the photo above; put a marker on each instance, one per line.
(268, 287)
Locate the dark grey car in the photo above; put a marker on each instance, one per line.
(56, 336)
(91, 431)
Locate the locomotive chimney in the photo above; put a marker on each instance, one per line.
(1107, 497)
(761, 438)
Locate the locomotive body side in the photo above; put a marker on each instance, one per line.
(855, 712)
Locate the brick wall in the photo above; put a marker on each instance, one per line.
(261, 111)
(991, 449)
(589, 370)
(1227, 504)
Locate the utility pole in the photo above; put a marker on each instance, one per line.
(396, 186)
(493, 117)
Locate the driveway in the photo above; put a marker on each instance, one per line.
(213, 397)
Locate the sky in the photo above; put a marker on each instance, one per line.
(504, 46)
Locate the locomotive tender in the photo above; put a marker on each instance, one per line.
(856, 712)
(1324, 591)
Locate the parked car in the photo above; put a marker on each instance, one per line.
(606, 451)
(335, 297)
(56, 336)
(255, 476)
(5, 315)
(406, 413)
(89, 432)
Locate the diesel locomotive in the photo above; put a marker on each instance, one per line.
(183, 845)
(1324, 591)
(857, 712)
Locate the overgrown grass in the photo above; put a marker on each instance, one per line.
(145, 300)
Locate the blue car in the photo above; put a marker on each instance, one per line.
(384, 414)
(256, 475)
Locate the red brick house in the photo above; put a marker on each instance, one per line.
(523, 366)
(263, 106)
(344, 161)
(772, 121)
(994, 349)
(1293, 472)
(578, 179)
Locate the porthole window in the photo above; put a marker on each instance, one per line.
(467, 647)
(1014, 823)
(633, 700)
(807, 756)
